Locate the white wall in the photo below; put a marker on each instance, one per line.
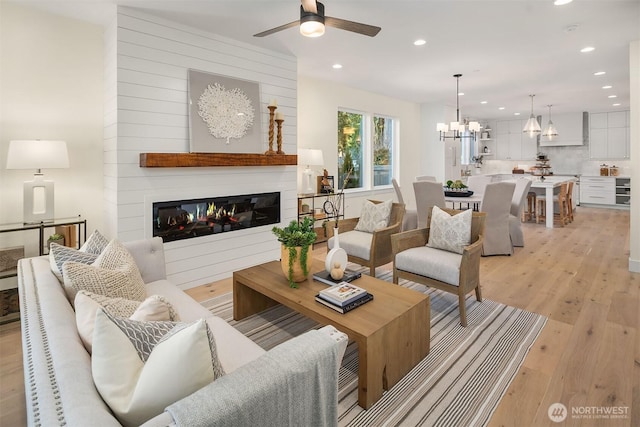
(318, 105)
(147, 111)
(51, 88)
(634, 240)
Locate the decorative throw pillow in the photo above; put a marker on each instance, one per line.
(374, 216)
(59, 254)
(156, 307)
(450, 232)
(114, 273)
(95, 243)
(140, 368)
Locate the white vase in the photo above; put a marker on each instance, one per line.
(336, 255)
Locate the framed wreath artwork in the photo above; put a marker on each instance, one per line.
(224, 114)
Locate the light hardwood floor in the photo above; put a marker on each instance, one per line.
(587, 356)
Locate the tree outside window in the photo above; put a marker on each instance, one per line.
(350, 129)
(365, 145)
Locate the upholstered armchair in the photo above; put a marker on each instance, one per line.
(371, 249)
(449, 271)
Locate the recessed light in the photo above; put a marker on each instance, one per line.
(500, 108)
(599, 73)
(612, 96)
(617, 104)
(516, 114)
(607, 87)
(483, 102)
(420, 42)
(460, 93)
(337, 66)
(561, 2)
(587, 49)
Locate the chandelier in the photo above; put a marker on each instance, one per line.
(532, 127)
(464, 129)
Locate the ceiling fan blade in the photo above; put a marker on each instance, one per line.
(276, 29)
(310, 6)
(356, 27)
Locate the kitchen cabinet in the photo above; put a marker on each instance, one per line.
(599, 190)
(512, 143)
(623, 191)
(609, 135)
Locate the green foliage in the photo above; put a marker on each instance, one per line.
(56, 237)
(297, 234)
(457, 184)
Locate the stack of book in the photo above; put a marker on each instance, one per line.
(343, 297)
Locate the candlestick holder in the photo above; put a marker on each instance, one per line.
(272, 109)
(279, 122)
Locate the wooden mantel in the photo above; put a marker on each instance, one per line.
(185, 160)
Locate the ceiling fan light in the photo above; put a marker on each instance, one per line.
(312, 28)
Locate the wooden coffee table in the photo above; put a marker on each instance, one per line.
(392, 331)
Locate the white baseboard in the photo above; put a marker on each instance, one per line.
(634, 265)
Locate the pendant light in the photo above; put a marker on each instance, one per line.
(532, 127)
(550, 132)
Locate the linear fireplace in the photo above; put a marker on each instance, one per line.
(184, 219)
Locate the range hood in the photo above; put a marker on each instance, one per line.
(573, 129)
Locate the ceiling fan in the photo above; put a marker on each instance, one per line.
(312, 22)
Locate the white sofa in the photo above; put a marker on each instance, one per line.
(59, 387)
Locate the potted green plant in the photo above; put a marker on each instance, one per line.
(55, 238)
(296, 238)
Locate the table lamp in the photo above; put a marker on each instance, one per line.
(309, 157)
(38, 194)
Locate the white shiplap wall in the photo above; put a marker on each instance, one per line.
(146, 110)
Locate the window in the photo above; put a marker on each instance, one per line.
(366, 145)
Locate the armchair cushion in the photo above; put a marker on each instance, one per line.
(430, 262)
(450, 232)
(374, 216)
(357, 243)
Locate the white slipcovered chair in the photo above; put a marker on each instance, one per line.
(478, 183)
(410, 220)
(496, 202)
(425, 178)
(517, 205)
(428, 194)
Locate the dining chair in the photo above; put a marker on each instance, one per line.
(496, 202)
(418, 260)
(559, 199)
(425, 178)
(517, 206)
(477, 183)
(428, 194)
(410, 220)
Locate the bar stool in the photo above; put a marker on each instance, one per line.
(560, 199)
(569, 212)
(530, 212)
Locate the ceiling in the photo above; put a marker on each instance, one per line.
(505, 49)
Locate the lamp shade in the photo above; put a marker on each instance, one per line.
(310, 157)
(37, 154)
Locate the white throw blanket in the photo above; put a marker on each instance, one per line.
(305, 367)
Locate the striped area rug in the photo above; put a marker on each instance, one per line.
(459, 383)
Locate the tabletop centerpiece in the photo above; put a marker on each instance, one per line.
(457, 188)
(296, 238)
